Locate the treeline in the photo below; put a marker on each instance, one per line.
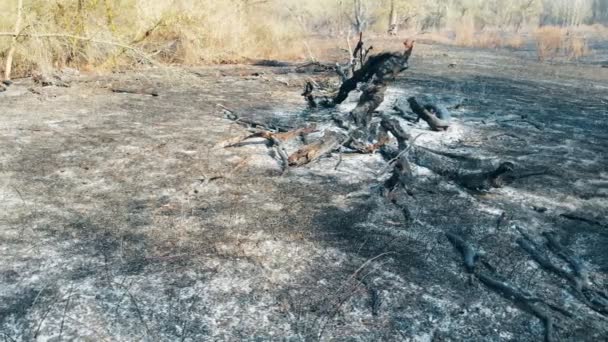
(445, 14)
(114, 33)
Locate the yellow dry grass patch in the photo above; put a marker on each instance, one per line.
(553, 41)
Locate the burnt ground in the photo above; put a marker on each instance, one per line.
(124, 218)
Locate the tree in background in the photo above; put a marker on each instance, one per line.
(600, 11)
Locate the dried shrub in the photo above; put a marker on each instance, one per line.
(576, 47)
(549, 40)
(553, 42)
(515, 41)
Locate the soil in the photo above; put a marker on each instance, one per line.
(125, 218)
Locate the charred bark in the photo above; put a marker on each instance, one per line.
(382, 66)
(308, 95)
(371, 98)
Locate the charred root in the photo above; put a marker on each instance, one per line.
(577, 276)
(524, 300)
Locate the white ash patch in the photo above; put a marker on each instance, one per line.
(531, 199)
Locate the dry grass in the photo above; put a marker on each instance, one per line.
(467, 35)
(553, 42)
(209, 31)
(576, 47)
(549, 41)
(182, 32)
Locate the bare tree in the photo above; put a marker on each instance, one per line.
(360, 20)
(600, 11)
(392, 21)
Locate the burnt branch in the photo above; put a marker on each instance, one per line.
(469, 253)
(307, 94)
(382, 66)
(423, 113)
(371, 98)
(330, 142)
(523, 299)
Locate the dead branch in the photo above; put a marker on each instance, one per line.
(330, 142)
(469, 253)
(404, 115)
(371, 98)
(233, 115)
(596, 300)
(358, 52)
(367, 51)
(382, 66)
(579, 217)
(522, 298)
(308, 95)
(271, 136)
(434, 122)
(275, 141)
(393, 126)
(576, 264)
(140, 91)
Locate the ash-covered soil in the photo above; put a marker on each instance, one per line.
(124, 218)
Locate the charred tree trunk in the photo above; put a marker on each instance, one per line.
(383, 66)
(370, 100)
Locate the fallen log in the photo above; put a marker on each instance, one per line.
(469, 172)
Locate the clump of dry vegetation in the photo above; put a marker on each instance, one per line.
(553, 41)
(110, 34)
